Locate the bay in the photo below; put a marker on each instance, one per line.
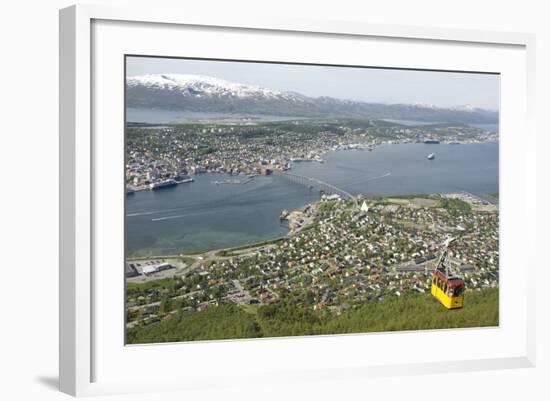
(201, 215)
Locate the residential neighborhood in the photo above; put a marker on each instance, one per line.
(340, 259)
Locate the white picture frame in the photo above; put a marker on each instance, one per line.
(82, 344)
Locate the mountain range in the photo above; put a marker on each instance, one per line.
(200, 93)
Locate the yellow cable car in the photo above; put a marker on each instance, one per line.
(448, 291)
(446, 288)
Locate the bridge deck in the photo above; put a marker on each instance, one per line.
(302, 179)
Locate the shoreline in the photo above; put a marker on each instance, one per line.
(131, 189)
(298, 214)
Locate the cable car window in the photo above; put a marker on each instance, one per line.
(459, 291)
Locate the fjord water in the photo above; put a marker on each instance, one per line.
(201, 216)
(158, 116)
(404, 169)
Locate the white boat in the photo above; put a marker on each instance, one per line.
(163, 184)
(431, 156)
(183, 179)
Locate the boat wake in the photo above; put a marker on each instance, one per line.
(369, 179)
(380, 176)
(137, 214)
(179, 216)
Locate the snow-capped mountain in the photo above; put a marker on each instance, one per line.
(205, 86)
(208, 94)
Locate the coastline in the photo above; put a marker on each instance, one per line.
(345, 167)
(302, 219)
(317, 157)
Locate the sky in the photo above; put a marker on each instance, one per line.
(442, 89)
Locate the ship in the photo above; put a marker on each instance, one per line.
(183, 179)
(163, 184)
(431, 156)
(431, 142)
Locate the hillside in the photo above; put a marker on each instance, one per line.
(410, 312)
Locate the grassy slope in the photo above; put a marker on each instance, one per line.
(410, 312)
(223, 322)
